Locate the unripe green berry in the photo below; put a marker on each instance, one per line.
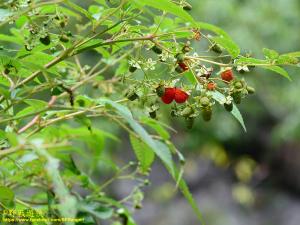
(204, 101)
(206, 114)
(187, 111)
(238, 85)
(180, 57)
(189, 121)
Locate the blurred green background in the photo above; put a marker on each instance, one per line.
(241, 178)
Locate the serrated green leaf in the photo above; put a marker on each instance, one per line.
(231, 47)
(278, 70)
(287, 59)
(79, 9)
(250, 61)
(37, 104)
(293, 54)
(143, 152)
(168, 6)
(157, 126)
(270, 54)
(212, 28)
(97, 210)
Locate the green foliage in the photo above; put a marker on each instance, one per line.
(65, 69)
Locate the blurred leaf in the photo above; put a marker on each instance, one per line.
(79, 9)
(249, 61)
(4, 13)
(293, 54)
(96, 209)
(163, 153)
(6, 196)
(68, 203)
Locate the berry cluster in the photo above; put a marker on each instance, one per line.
(191, 101)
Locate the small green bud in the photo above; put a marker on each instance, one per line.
(132, 69)
(250, 90)
(52, 49)
(187, 7)
(189, 121)
(180, 57)
(152, 114)
(45, 40)
(187, 111)
(160, 91)
(64, 38)
(206, 114)
(156, 49)
(228, 106)
(204, 101)
(81, 102)
(56, 91)
(238, 85)
(146, 182)
(69, 34)
(216, 48)
(131, 95)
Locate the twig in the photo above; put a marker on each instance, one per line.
(37, 117)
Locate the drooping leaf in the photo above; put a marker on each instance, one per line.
(163, 153)
(278, 70)
(231, 47)
(68, 203)
(219, 97)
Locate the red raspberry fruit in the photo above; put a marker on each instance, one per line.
(211, 86)
(180, 96)
(169, 95)
(227, 75)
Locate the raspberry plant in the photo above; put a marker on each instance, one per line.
(66, 65)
